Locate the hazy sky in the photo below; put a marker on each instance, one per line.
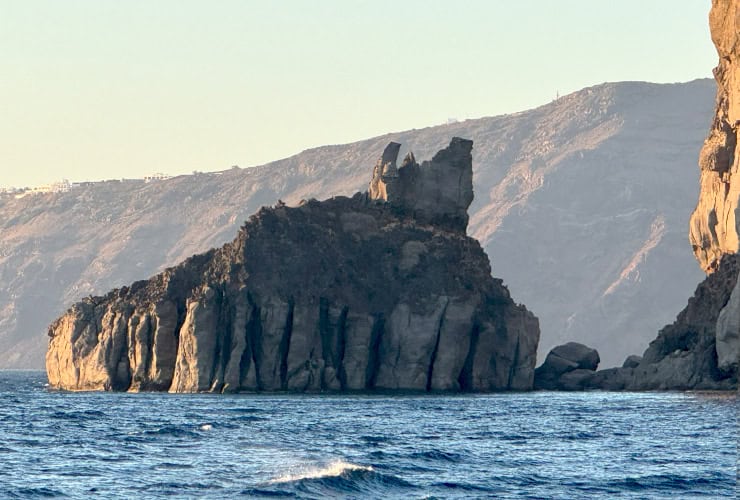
(96, 89)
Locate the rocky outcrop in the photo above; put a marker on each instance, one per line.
(727, 335)
(567, 367)
(591, 167)
(377, 291)
(686, 355)
(438, 191)
(632, 361)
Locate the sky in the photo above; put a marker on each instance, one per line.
(108, 89)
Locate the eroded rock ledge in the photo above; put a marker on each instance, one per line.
(383, 290)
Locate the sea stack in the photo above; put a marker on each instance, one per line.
(380, 291)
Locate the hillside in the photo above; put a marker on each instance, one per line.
(581, 204)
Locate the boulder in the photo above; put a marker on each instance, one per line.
(632, 361)
(573, 359)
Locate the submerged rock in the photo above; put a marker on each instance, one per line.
(383, 290)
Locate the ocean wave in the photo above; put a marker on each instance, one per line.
(674, 482)
(333, 469)
(244, 410)
(78, 415)
(249, 418)
(339, 478)
(33, 493)
(174, 431)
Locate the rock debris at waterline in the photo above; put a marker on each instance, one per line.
(382, 290)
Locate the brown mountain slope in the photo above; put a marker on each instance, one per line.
(581, 204)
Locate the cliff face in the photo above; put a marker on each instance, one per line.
(701, 348)
(713, 230)
(368, 292)
(715, 224)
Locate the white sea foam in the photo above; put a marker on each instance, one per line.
(206, 427)
(332, 469)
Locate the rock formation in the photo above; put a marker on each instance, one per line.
(566, 367)
(713, 230)
(687, 355)
(701, 349)
(383, 290)
(588, 172)
(438, 191)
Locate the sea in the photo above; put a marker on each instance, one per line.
(509, 445)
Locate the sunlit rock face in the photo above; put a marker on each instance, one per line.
(383, 290)
(713, 224)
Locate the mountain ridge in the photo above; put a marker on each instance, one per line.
(55, 249)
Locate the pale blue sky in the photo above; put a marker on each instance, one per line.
(96, 89)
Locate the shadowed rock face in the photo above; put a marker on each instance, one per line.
(686, 355)
(565, 366)
(368, 292)
(438, 191)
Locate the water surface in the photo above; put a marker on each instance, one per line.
(535, 445)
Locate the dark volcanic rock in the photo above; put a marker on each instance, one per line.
(609, 167)
(566, 367)
(437, 191)
(684, 355)
(344, 294)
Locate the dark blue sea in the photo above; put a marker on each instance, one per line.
(536, 445)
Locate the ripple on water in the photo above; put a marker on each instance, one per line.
(437, 456)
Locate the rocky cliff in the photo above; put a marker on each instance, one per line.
(701, 348)
(383, 290)
(713, 230)
(582, 205)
